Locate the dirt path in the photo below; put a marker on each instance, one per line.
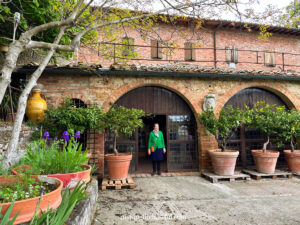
(193, 200)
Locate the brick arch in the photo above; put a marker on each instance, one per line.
(71, 95)
(288, 97)
(126, 89)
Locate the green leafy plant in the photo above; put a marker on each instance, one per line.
(121, 120)
(289, 128)
(59, 216)
(225, 125)
(4, 219)
(69, 117)
(23, 188)
(266, 118)
(50, 159)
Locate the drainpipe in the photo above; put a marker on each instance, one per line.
(215, 44)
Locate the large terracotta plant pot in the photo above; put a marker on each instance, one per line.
(26, 208)
(118, 165)
(36, 106)
(265, 162)
(293, 160)
(223, 162)
(69, 179)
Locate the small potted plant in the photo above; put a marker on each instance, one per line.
(25, 192)
(120, 120)
(223, 159)
(266, 118)
(289, 131)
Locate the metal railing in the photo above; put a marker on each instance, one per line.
(203, 55)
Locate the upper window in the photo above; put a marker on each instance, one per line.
(189, 52)
(270, 58)
(156, 49)
(231, 54)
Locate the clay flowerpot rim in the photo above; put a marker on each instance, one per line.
(60, 186)
(88, 167)
(268, 152)
(296, 152)
(120, 154)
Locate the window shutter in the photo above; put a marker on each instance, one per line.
(159, 50)
(189, 52)
(156, 49)
(231, 54)
(270, 58)
(128, 50)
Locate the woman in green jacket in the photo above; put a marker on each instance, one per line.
(156, 148)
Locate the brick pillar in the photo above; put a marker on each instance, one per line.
(207, 142)
(96, 145)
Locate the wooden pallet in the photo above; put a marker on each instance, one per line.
(214, 178)
(258, 176)
(117, 184)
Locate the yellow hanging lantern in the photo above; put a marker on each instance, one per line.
(36, 106)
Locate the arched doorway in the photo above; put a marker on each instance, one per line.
(246, 139)
(176, 120)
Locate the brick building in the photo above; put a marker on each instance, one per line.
(222, 59)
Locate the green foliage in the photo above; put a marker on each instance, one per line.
(69, 117)
(24, 187)
(48, 159)
(4, 219)
(266, 118)
(121, 120)
(59, 216)
(223, 126)
(3, 170)
(289, 128)
(5, 106)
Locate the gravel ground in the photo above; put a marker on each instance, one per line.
(193, 200)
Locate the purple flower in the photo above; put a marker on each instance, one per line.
(77, 134)
(66, 136)
(55, 139)
(46, 135)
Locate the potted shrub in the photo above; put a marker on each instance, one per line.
(223, 160)
(120, 120)
(68, 164)
(266, 118)
(289, 131)
(25, 193)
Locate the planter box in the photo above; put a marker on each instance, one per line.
(69, 179)
(26, 208)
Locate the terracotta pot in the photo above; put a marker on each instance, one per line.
(68, 179)
(118, 165)
(293, 160)
(223, 162)
(26, 208)
(36, 106)
(265, 162)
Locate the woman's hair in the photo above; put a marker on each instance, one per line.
(155, 124)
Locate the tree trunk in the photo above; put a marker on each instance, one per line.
(292, 145)
(266, 144)
(115, 144)
(14, 140)
(9, 64)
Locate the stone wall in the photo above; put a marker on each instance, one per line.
(5, 134)
(106, 89)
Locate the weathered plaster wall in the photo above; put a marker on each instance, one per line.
(103, 90)
(5, 134)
